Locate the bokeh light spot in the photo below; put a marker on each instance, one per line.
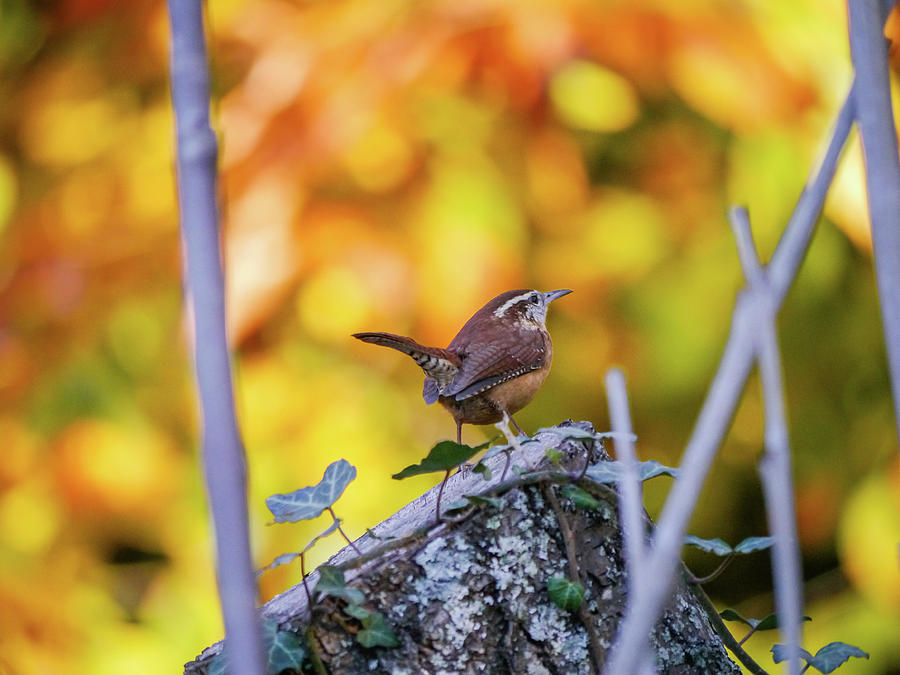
(588, 96)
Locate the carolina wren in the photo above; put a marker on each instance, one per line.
(494, 365)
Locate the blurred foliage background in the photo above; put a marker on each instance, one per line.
(392, 165)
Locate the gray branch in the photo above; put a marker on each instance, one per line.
(775, 467)
(223, 455)
(875, 119)
(718, 409)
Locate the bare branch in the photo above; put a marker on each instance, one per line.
(868, 50)
(630, 491)
(223, 455)
(718, 408)
(775, 467)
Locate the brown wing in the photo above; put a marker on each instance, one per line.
(485, 365)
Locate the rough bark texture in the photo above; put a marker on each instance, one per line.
(471, 596)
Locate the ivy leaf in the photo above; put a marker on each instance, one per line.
(483, 469)
(729, 614)
(715, 546)
(444, 456)
(564, 593)
(721, 548)
(752, 544)
(579, 434)
(331, 582)
(579, 497)
(651, 469)
(356, 611)
(769, 622)
(554, 455)
(376, 632)
(309, 502)
(218, 665)
(479, 500)
(832, 655)
(826, 660)
(614, 471)
(284, 648)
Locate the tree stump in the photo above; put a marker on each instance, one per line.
(469, 595)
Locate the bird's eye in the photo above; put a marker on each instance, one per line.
(535, 300)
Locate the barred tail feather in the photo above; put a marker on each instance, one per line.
(438, 364)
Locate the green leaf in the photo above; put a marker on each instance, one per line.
(826, 660)
(483, 469)
(564, 593)
(356, 612)
(309, 502)
(721, 548)
(715, 546)
(284, 648)
(331, 582)
(554, 455)
(833, 655)
(579, 434)
(218, 665)
(769, 622)
(457, 505)
(729, 614)
(613, 471)
(780, 653)
(444, 456)
(752, 544)
(481, 501)
(579, 497)
(283, 559)
(376, 632)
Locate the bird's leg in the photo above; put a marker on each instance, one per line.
(503, 426)
(519, 431)
(459, 432)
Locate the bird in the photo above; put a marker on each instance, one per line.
(494, 366)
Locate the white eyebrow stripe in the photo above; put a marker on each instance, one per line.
(501, 310)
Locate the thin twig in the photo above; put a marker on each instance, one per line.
(715, 416)
(437, 505)
(223, 454)
(875, 120)
(630, 489)
(699, 581)
(309, 602)
(775, 467)
(341, 530)
(575, 575)
(724, 634)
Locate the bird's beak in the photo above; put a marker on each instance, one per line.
(553, 295)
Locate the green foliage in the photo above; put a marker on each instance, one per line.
(284, 650)
(309, 502)
(579, 497)
(827, 659)
(444, 456)
(769, 622)
(482, 468)
(376, 632)
(614, 472)
(331, 583)
(720, 548)
(564, 593)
